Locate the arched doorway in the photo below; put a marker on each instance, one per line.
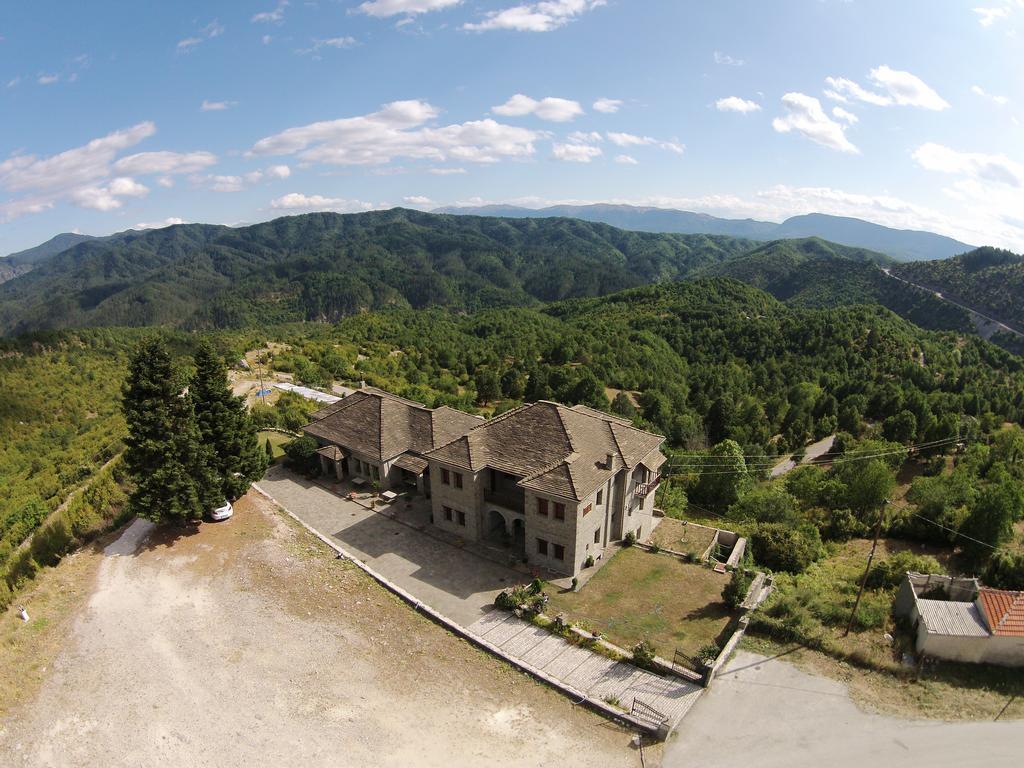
(497, 530)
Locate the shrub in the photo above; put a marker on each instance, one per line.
(736, 590)
(589, 562)
(630, 539)
(888, 573)
(783, 548)
(1005, 571)
(707, 654)
(536, 587)
(301, 455)
(654, 548)
(643, 654)
(575, 583)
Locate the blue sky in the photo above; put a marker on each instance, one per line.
(126, 114)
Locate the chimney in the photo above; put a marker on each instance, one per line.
(608, 461)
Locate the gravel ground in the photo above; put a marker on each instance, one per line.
(245, 643)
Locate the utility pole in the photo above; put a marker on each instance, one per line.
(259, 371)
(867, 570)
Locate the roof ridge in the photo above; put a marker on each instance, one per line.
(561, 422)
(615, 440)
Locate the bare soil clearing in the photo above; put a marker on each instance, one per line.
(246, 643)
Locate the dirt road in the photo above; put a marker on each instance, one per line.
(245, 643)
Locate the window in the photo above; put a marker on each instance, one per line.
(600, 497)
(559, 511)
(445, 477)
(458, 479)
(542, 507)
(559, 552)
(597, 536)
(448, 514)
(587, 508)
(462, 519)
(542, 547)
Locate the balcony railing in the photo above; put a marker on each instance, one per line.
(643, 489)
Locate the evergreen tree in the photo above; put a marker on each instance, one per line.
(724, 476)
(269, 450)
(225, 425)
(165, 455)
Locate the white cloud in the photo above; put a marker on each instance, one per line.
(1002, 101)
(974, 165)
(384, 8)
(535, 17)
(417, 200)
(164, 163)
(165, 181)
(727, 60)
(279, 172)
(331, 42)
(238, 183)
(300, 201)
(575, 153)
(736, 104)
(210, 31)
(170, 221)
(847, 117)
(553, 109)
(446, 171)
(632, 140)
(625, 160)
(275, 16)
(227, 183)
(215, 106)
(607, 106)
(106, 198)
(901, 88)
(266, 39)
(988, 16)
(47, 79)
(400, 130)
(586, 137)
(805, 116)
(13, 82)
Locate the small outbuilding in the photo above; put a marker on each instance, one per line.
(959, 620)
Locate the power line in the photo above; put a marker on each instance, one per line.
(955, 532)
(761, 456)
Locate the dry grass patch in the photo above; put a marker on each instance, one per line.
(640, 595)
(681, 536)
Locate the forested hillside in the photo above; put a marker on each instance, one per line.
(324, 266)
(816, 273)
(987, 279)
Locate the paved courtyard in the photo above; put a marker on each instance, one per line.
(455, 582)
(764, 712)
(597, 676)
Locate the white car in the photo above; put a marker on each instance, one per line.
(222, 512)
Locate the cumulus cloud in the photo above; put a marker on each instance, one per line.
(401, 129)
(384, 8)
(552, 109)
(234, 183)
(899, 88)
(170, 221)
(575, 153)
(275, 16)
(297, 201)
(106, 198)
(632, 140)
(977, 90)
(164, 163)
(586, 137)
(607, 106)
(847, 117)
(47, 79)
(215, 106)
(805, 116)
(534, 17)
(736, 104)
(989, 16)
(625, 160)
(210, 31)
(974, 165)
(419, 201)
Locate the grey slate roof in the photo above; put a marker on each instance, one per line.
(378, 424)
(555, 449)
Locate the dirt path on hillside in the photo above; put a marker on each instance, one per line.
(245, 643)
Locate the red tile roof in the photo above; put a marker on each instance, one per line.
(1004, 611)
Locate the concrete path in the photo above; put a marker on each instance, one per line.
(455, 582)
(763, 713)
(811, 453)
(597, 676)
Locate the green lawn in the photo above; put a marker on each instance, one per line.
(680, 537)
(640, 595)
(277, 440)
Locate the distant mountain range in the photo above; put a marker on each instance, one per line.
(19, 263)
(900, 244)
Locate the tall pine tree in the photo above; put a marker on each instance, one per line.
(165, 456)
(224, 425)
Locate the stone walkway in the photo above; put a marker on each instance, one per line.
(590, 673)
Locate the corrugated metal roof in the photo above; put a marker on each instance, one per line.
(943, 617)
